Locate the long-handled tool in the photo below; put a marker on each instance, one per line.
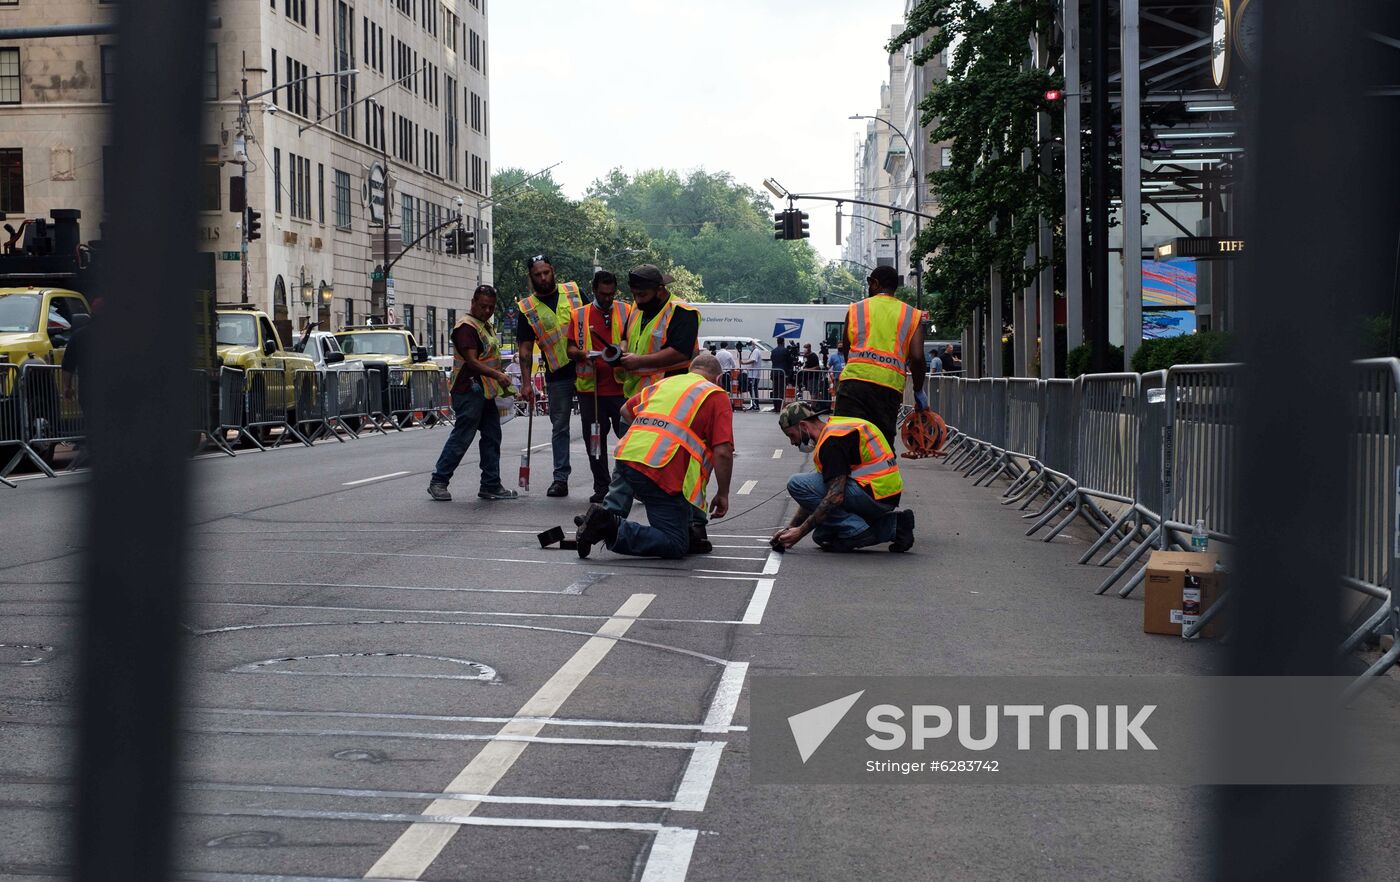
(529, 437)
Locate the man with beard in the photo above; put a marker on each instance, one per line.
(544, 320)
(594, 328)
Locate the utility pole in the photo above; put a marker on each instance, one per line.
(1097, 324)
(240, 155)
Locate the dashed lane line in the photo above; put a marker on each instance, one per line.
(778, 453)
(375, 478)
(747, 488)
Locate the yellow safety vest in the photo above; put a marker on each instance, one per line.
(551, 326)
(579, 324)
(880, 329)
(661, 429)
(878, 471)
(490, 355)
(648, 337)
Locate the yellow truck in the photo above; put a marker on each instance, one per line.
(390, 349)
(245, 338)
(35, 323)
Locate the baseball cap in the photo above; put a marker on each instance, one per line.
(794, 414)
(648, 275)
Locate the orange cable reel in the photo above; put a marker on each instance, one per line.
(923, 433)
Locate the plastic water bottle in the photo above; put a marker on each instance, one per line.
(1200, 540)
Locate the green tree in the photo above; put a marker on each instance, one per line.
(989, 204)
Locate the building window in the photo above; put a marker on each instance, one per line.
(9, 76)
(297, 89)
(320, 193)
(349, 312)
(211, 72)
(345, 60)
(450, 129)
(277, 179)
(408, 319)
(299, 185)
(947, 157)
(12, 180)
(476, 112)
(296, 11)
(406, 217)
(474, 50)
(211, 180)
(430, 318)
(342, 200)
(108, 73)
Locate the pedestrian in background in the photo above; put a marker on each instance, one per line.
(753, 362)
(782, 373)
(477, 379)
(544, 320)
(811, 368)
(936, 366)
(835, 363)
(729, 367)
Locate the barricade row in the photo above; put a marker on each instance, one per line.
(1144, 458)
(40, 408)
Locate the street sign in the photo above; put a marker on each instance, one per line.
(389, 287)
(377, 191)
(230, 255)
(897, 225)
(376, 276)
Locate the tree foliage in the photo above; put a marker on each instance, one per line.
(990, 197)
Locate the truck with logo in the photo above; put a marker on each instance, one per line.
(767, 322)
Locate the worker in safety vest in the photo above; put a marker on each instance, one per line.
(592, 330)
(850, 501)
(883, 343)
(543, 320)
(477, 380)
(681, 429)
(663, 334)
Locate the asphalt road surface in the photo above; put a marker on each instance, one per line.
(382, 685)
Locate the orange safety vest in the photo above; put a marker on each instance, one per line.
(579, 323)
(879, 330)
(661, 429)
(551, 326)
(648, 337)
(490, 355)
(878, 471)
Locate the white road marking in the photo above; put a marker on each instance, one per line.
(775, 560)
(753, 614)
(694, 790)
(375, 478)
(448, 822)
(443, 718)
(421, 843)
(747, 488)
(420, 612)
(726, 700)
(778, 453)
(496, 739)
(357, 793)
(669, 858)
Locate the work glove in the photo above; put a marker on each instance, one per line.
(920, 401)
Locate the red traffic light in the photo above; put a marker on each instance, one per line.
(1054, 94)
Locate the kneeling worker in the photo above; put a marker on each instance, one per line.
(849, 501)
(680, 429)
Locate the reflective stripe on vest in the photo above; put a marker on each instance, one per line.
(661, 428)
(880, 331)
(878, 471)
(580, 332)
(489, 355)
(551, 326)
(648, 337)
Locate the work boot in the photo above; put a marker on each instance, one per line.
(699, 540)
(598, 494)
(438, 491)
(558, 488)
(599, 525)
(903, 531)
(497, 493)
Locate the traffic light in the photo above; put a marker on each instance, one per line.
(237, 193)
(800, 228)
(780, 225)
(791, 224)
(252, 224)
(468, 242)
(450, 241)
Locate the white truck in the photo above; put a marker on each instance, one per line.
(766, 322)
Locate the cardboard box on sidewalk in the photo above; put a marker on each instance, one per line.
(1166, 575)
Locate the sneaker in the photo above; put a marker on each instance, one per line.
(497, 493)
(699, 540)
(903, 531)
(558, 488)
(599, 525)
(438, 491)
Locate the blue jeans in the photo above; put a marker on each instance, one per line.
(668, 514)
(858, 514)
(620, 497)
(473, 413)
(561, 406)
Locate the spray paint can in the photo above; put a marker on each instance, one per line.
(1190, 604)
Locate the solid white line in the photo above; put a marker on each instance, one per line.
(753, 614)
(445, 718)
(421, 843)
(448, 822)
(770, 567)
(778, 453)
(669, 858)
(375, 478)
(726, 700)
(447, 736)
(358, 793)
(694, 790)
(747, 488)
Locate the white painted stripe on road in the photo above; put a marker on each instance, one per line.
(359, 793)
(726, 700)
(435, 822)
(375, 478)
(445, 718)
(421, 843)
(747, 488)
(775, 560)
(498, 738)
(669, 858)
(694, 790)
(778, 453)
(416, 611)
(753, 614)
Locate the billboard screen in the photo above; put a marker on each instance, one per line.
(1169, 284)
(1168, 323)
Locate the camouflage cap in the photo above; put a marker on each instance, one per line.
(794, 414)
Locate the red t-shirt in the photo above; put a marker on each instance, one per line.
(714, 423)
(599, 336)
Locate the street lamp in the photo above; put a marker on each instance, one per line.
(918, 185)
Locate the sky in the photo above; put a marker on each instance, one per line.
(757, 88)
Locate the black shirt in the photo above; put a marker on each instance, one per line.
(524, 333)
(840, 454)
(782, 359)
(681, 334)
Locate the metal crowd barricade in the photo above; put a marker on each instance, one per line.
(1059, 430)
(987, 452)
(48, 415)
(269, 404)
(205, 418)
(309, 389)
(11, 420)
(347, 400)
(1024, 402)
(813, 385)
(233, 406)
(443, 397)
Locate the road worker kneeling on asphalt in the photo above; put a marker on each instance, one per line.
(850, 501)
(681, 428)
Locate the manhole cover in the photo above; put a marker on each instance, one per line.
(355, 755)
(24, 654)
(394, 665)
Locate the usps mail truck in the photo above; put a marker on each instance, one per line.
(768, 322)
